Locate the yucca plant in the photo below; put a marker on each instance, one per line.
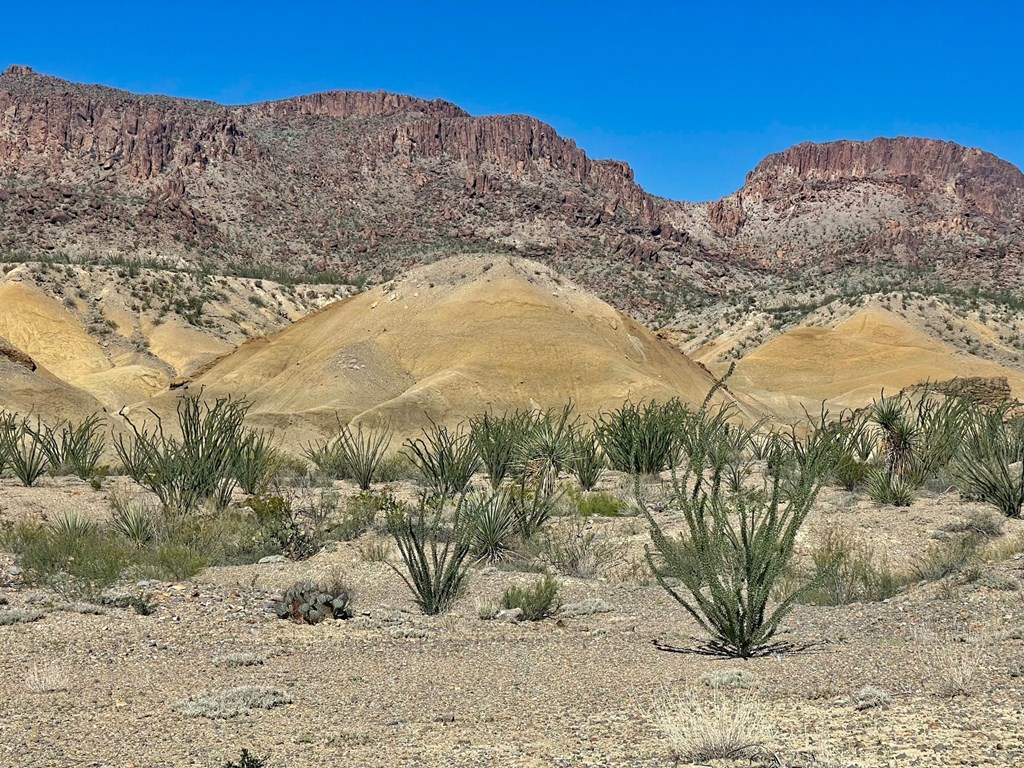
(436, 557)
(24, 455)
(446, 459)
(547, 449)
(491, 524)
(134, 523)
(988, 465)
(736, 544)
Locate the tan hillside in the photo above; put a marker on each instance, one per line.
(448, 341)
(43, 329)
(852, 362)
(28, 388)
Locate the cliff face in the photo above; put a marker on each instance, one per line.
(369, 184)
(887, 203)
(977, 180)
(343, 180)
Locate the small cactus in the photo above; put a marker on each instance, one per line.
(309, 602)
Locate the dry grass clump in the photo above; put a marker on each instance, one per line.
(18, 616)
(47, 678)
(232, 702)
(729, 678)
(719, 727)
(869, 697)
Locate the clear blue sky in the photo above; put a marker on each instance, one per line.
(692, 95)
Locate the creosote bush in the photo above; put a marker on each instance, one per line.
(537, 601)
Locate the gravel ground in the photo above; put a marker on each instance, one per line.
(395, 688)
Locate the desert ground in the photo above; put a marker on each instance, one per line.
(104, 686)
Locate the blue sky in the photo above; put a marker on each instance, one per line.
(692, 95)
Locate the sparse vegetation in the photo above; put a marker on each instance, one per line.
(537, 601)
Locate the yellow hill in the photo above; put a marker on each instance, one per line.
(851, 363)
(450, 340)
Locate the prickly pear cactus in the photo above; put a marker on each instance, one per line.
(307, 602)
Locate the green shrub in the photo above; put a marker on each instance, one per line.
(361, 513)
(642, 438)
(446, 459)
(200, 466)
(246, 760)
(71, 556)
(597, 504)
(547, 448)
(536, 602)
(281, 527)
(435, 557)
(588, 462)
(736, 544)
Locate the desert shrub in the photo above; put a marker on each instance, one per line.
(246, 760)
(736, 544)
(497, 440)
(435, 555)
(849, 473)
(729, 678)
(869, 697)
(176, 561)
(985, 523)
(74, 449)
(352, 455)
(946, 557)
(597, 504)
(587, 463)
(576, 549)
(642, 438)
(282, 528)
(537, 601)
(720, 727)
(396, 468)
(491, 522)
(233, 701)
(70, 555)
(988, 467)
(446, 459)
(11, 617)
(199, 467)
(132, 521)
(846, 571)
(310, 602)
(360, 514)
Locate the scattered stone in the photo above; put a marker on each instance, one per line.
(270, 559)
(509, 615)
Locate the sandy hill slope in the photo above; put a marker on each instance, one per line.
(27, 388)
(850, 363)
(42, 328)
(448, 341)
